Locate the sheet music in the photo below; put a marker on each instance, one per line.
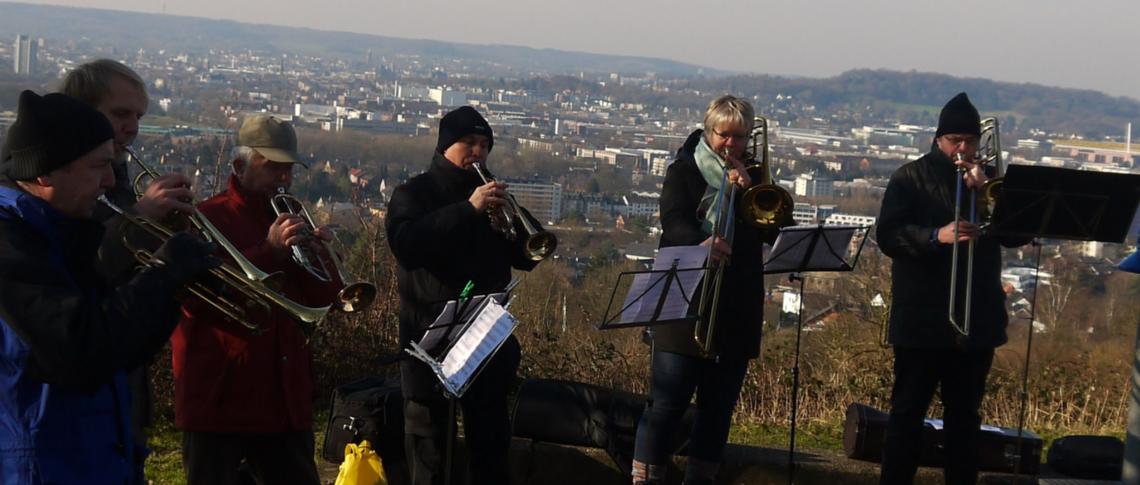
(641, 300)
(791, 248)
(489, 330)
(442, 329)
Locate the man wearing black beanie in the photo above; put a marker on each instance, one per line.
(68, 337)
(916, 229)
(439, 230)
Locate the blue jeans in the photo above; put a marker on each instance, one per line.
(674, 378)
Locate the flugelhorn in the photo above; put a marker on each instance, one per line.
(989, 152)
(537, 243)
(323, 263)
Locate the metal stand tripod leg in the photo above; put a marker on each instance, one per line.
(795, 382)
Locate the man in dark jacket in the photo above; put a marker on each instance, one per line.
(916, 228)
(439, 231)
(68, 338)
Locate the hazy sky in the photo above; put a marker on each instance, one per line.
(1089, 44)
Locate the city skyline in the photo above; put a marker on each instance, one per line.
(1045, 42)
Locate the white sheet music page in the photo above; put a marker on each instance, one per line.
(489, 330)
(641, 301)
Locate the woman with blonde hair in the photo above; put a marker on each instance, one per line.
(679, 367)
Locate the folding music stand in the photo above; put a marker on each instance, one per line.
(800, 249)
(470, 331)
(1057, 203)
(661, 295)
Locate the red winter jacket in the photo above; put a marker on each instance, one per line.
(226, 379)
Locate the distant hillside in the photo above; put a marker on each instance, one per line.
(916, 97)
(129, 31)
(910, 97)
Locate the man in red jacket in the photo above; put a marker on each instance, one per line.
(241, 394)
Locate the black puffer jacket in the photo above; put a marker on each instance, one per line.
(740, 315)
(441, 242)
(920, 199)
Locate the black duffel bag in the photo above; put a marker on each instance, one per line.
(368, 409)
(578, 414)
(1091, 457)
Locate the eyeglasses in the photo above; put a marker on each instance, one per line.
(731, 135)
(956, 140)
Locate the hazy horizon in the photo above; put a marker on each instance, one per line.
(1046, 42)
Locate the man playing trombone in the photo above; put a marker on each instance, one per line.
(439, 230)
(917, 229)
(240, 393)
(68, 337)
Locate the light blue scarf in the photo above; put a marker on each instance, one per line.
(711, 165)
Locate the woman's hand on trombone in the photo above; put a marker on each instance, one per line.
(165, 195)
(737, 174)
(720, 248)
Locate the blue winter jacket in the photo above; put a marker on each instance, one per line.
(66, 342)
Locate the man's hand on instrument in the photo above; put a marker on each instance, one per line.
(974, 177)
(720, 248)
(164, 195)
(966, 232)
(488, 196)
(287, 230)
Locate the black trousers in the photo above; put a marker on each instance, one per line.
(918, 372)
(486, 423)
(273, 458)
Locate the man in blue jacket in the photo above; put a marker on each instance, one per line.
(67, 338)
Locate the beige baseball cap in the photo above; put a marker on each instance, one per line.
(271, 137)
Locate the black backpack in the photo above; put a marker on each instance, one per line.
(1091, 457)
(368, 409)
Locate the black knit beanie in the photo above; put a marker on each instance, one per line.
(459, 123)
(50, 132)
(959, 116)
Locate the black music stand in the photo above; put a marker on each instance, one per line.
(661, 295)
(800, 249)
(459, 325)
(1057, 203)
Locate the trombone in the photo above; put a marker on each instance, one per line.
(538, 244)
(765, 205)
(989, 152)
(254, 284)
(353, 296)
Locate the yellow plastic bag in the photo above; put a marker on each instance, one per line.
(361, 466)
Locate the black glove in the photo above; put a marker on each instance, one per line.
(184, 256)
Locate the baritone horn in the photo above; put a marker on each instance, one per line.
(538, 244)
(989, 153)
(234, 292)
(253, 285)
(323, 263)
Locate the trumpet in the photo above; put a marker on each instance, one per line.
(323, 265)
(989, 152)
(236, 293)
(537, 243)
